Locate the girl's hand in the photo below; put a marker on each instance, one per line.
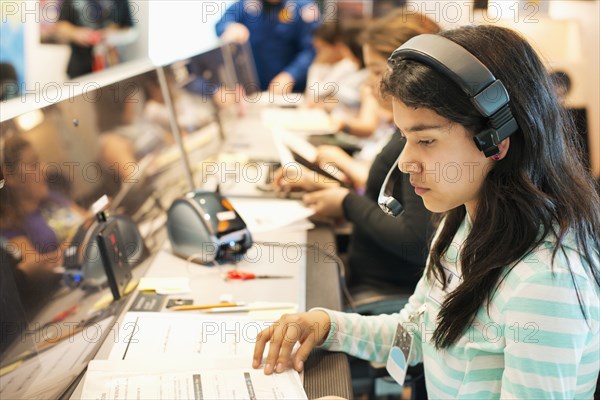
(303, 179)
(309, 329)
(328, 202)
(333, 155)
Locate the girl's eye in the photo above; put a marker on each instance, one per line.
(426, 142)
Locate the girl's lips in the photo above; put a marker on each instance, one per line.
(420, 191)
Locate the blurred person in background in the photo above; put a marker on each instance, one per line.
(337, 72)
(280, 35)
(37, 224)
(380, 246)
(33, 218)
(85, 25)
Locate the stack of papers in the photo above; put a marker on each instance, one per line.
(186, 356)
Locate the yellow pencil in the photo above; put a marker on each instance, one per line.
(190, 307)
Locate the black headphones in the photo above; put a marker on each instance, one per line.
(487, 94)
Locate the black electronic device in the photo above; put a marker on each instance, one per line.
(82, 260)
(317, 169)
(204, 227)
(114, 256)
(487, 94)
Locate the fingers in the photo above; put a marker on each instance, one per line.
(303, 353)
(275, 336)
(313, 336)
(281, 336)
(288, 330)
(292, 334)
(286, 179)
(274, 347)
(328, 153)
(278, 179)
(318, 201)
(326, 147)
(311, 199)
(259, 347)
(287, 176)
(309, 329)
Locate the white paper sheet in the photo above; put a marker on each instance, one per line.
(169, 336)
(262, 215)
(143, 380)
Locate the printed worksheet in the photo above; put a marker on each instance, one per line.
(126, 379)
(195, 335)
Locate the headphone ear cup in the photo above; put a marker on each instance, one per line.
(486, 141)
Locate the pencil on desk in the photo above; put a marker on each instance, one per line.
(54, 340)
(191, 307)
(253, 307)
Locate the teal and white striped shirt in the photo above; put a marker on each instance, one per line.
(535, 342)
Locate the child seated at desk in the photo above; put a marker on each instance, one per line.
(517, 248)
(382, 250)
(36, 223)
(33, 218)
(337, 72)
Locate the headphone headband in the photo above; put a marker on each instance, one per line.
(487, 94)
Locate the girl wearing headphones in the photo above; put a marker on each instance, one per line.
(509, 303)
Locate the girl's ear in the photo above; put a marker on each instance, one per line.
(503, 147)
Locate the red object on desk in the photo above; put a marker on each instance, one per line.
(244, 276)
(64, 314)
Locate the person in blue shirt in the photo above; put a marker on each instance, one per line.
(280, 35)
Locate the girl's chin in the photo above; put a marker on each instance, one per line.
(437, 206)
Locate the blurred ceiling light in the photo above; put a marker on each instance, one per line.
(29, 120)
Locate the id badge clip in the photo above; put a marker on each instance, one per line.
(397, 361)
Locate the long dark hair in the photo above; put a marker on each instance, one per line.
(539, 189)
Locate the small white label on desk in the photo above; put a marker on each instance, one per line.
(225, 215)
